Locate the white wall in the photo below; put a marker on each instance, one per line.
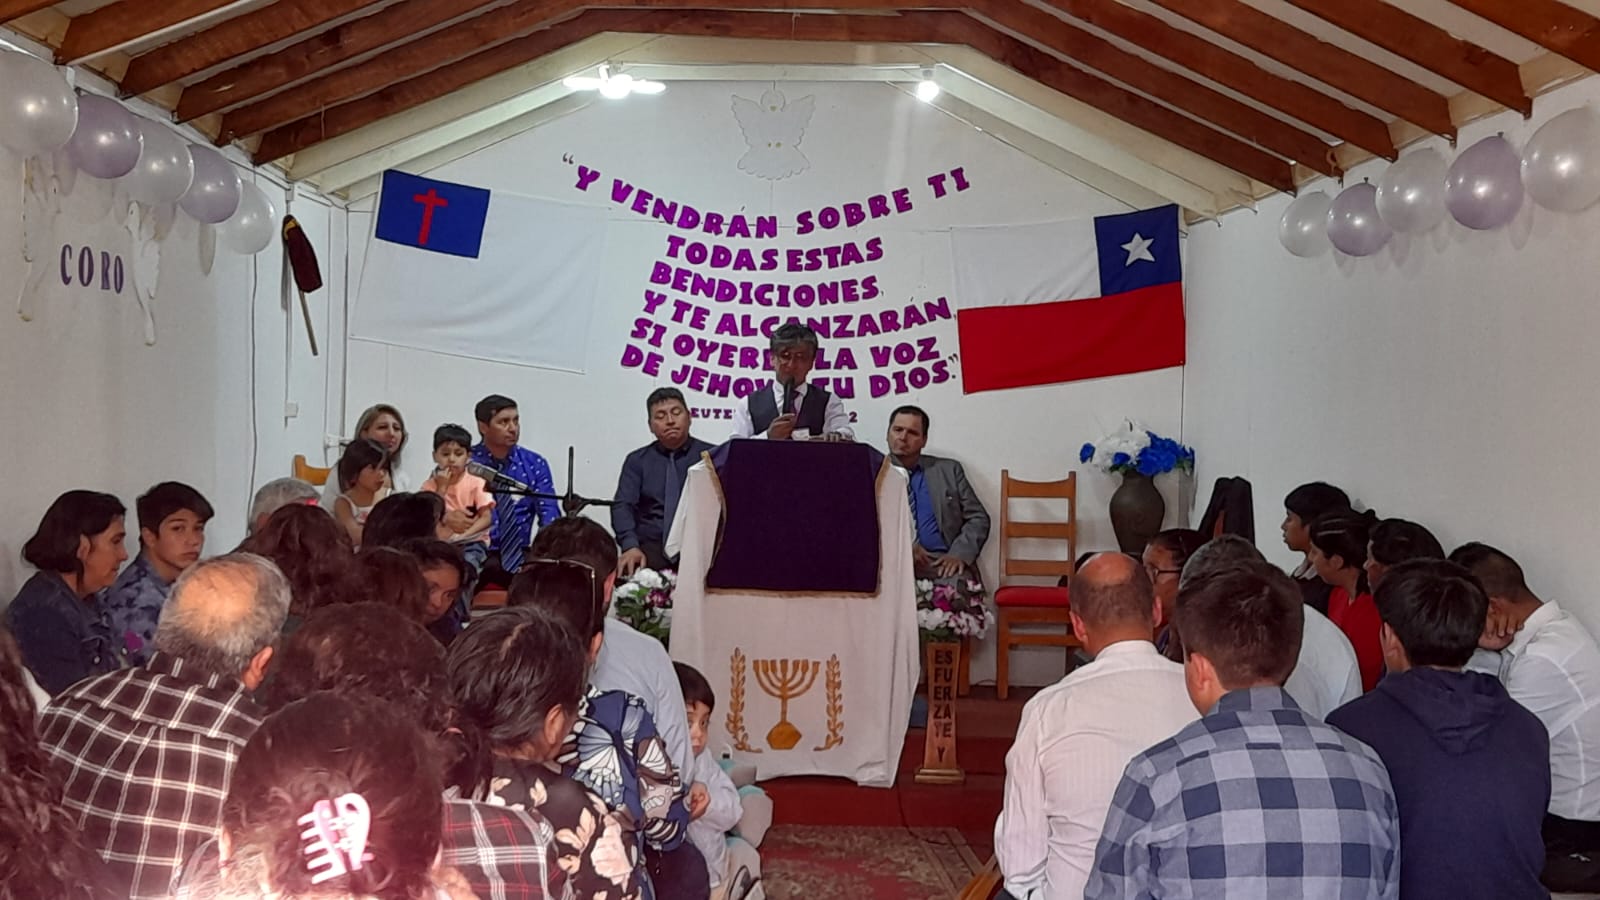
(1448, 380)
(88, 405)
(684, 144)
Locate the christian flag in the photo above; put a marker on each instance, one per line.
(1066, 301)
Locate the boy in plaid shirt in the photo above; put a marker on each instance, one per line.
(1257, 799)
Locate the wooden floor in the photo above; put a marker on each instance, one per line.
(985, 727)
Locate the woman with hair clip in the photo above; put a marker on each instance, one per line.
(334, 797)
(41, 854)
(1338, 554)
(384, 424)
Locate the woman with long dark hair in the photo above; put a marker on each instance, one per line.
(56, 617)
(314, 554)
(41, 854)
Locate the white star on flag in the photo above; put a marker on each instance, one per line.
(1138, 248)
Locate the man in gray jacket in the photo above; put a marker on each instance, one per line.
(949, 522)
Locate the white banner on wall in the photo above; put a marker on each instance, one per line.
(527, 299)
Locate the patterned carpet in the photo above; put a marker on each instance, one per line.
(818, 862)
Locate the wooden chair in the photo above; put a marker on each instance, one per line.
(1033, 604)
(307, 472)
(983, 885)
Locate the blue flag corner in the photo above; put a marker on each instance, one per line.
(431, 215)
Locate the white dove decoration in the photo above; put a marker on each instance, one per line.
(141, 223)
(773, 130)
(41, 202)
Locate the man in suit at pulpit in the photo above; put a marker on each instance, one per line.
(792, 409)
(949, 521)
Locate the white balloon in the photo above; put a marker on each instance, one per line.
(165, 169)
(38, 109)
(1411, 192)
(252, 226)
(1304, 228)
(1561, 164)
(1353, 223)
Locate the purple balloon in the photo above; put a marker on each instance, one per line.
(107, 141)
(214, 195)
(1354, 225)
(1484, 187)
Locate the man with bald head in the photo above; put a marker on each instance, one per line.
(148, 751)
(1077, 735)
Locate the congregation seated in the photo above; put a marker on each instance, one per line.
(651, 482)
(516, 679)
(614, 747)
(384, 425)
(363, 481)
(1077, 735)
(1468, 764)
(1338, 553)
(172, 535)
(1550, 664)
(44, 855)
(276, 494)
(628, 660)
(311, 551)
(1302, 506)
(448, 577)
(147, 752)
(393, 578)
(403, 517)
(1396, 541)
(56, 618)
(370, 650)
(1164, 558)
(1325, 821)
(950, 522)
(1326, 675)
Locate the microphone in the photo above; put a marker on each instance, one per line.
(497, 478)
(788, 396)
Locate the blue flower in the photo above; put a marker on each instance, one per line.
(1121, 459)
(1086, 454)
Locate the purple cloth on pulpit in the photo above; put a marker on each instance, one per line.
(797, 516)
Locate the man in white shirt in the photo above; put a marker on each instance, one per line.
(1325, 675)
(792, 409)
(1550, 664)
(1077, 735)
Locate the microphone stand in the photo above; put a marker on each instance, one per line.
(571, 503)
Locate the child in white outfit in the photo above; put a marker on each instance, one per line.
(714, 804)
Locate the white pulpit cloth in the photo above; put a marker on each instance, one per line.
(848, 664)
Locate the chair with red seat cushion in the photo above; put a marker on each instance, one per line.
(1026, 604)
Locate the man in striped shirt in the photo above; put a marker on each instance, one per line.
(148, 752)
(1257, 799)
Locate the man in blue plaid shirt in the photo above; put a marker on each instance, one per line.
(1257, 799)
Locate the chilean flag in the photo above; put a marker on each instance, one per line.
(1067, 301)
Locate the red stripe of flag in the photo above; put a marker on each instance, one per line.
(1071, 340)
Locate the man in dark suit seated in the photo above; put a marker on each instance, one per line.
(950, 522)
(791, 408)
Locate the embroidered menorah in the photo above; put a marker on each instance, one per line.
(785, 679)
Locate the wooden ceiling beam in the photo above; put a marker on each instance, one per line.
(1335, 67)
(914, 27)
(343, 45)
(16, 9)
(1132, 108)
(239, 38)
(126, 21)
(1557, 27)
(1429, 46)
(443, 47)
(1234, 72)
(1205, 103)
